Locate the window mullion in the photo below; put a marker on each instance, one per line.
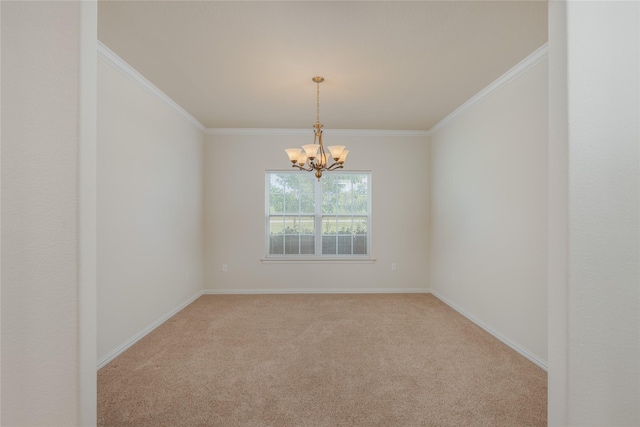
(318, 218)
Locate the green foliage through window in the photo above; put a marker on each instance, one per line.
(307, 217)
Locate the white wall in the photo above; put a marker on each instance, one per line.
(488, 212)
(557, 212)
(48, 217)
(594, 376)
(235, 213)
(150, 228)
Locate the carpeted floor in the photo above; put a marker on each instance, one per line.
(320, 360)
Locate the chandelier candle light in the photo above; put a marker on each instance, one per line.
(312, 157)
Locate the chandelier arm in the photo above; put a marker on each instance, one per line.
(302, 168)
(323, 154)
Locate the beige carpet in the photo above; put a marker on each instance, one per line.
(320, 360)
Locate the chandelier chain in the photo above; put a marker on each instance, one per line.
(318, 102)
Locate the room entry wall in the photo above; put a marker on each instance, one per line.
(48, 213)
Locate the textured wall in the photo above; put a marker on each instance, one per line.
(596, 64)
(45, 72)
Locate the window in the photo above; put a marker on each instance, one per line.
(307, 217)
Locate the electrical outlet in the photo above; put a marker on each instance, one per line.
(224, 267)
(393, 266)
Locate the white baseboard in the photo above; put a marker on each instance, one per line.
(134, 339)
(317, 291)
(515, 346)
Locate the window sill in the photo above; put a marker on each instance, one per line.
(318, 260)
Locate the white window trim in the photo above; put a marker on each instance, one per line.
(319, 257)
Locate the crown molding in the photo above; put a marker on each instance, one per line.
(256, 131)
(522, 67)
(119, 64)
(139, 80)
(346, 132)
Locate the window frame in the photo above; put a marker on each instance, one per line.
(318, 256)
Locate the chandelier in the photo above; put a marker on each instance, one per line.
(313, 157)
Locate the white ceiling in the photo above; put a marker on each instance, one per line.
(397, 65)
